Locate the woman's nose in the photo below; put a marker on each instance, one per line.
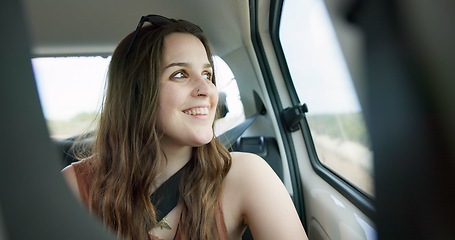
(203, 88)
(200, 91)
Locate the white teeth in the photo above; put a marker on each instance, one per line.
(197, 111)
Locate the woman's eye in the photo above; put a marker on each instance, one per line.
(207, 75)
(179, 74)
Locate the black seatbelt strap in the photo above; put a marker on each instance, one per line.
(230, 137)
(166, 197)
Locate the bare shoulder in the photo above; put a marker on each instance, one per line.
(246, 169)
(249, 168)
(245, 162)
(250, 173)
(259, 193)
(70, 176)
(69, 173)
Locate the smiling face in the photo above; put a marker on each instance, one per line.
(188, 97)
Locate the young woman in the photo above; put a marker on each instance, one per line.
(156, 124)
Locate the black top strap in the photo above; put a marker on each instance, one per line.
(166, 197)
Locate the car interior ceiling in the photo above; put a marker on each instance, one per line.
(105, 30)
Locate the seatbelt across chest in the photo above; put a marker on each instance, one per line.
(165, 198)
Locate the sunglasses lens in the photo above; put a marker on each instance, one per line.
(157, 20)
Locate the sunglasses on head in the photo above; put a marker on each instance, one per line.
(155, 20)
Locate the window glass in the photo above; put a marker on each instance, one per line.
(71, 91)
(229, 96)
(322, 81)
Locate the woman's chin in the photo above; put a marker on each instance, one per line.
(202, 139)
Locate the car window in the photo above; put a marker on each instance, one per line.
(71, 91)
(322, 81)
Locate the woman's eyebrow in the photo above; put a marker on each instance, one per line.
(177, 64)
(183, 64)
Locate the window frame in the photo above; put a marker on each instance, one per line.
(277, 106)
(363, 202)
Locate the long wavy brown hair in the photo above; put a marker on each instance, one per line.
(127, 148)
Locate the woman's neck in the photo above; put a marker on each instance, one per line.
(176, 158)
